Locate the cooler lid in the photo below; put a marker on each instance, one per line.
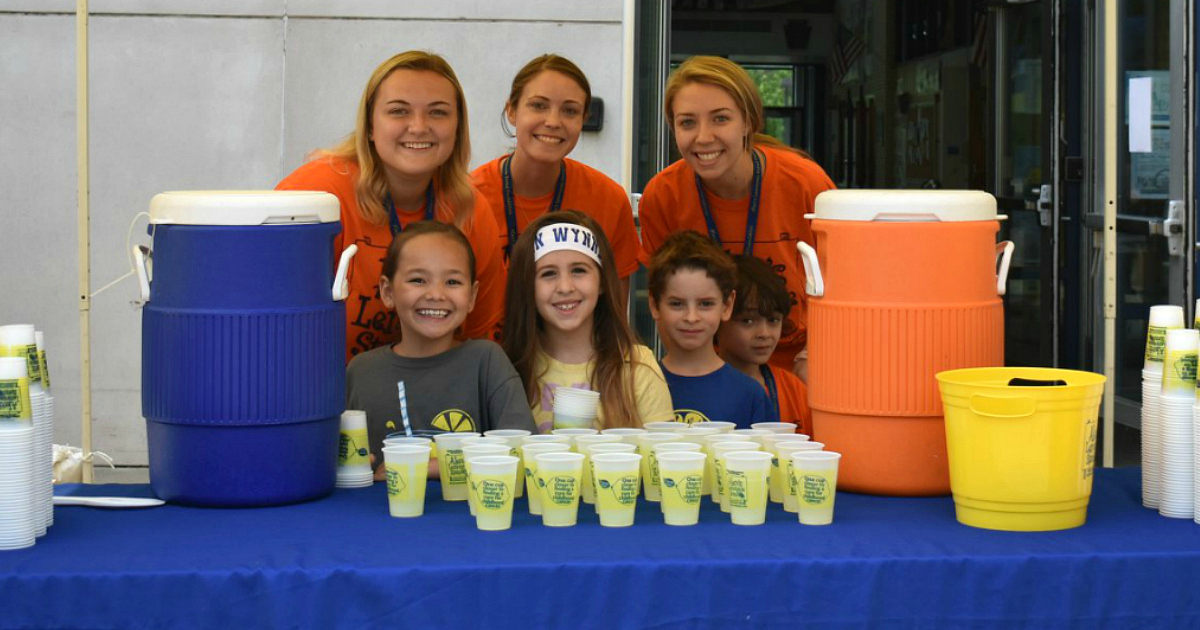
(910, 206)
(243, 207)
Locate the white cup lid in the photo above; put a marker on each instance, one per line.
(243, 207)
(905, 206)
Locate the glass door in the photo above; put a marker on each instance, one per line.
(1153, 193)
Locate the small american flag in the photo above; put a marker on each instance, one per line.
(847, 51)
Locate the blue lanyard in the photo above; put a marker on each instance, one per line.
(769, 379)
(751, 217)
(510, 203)
(430, 209)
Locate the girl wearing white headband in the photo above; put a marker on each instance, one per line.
(563, 325)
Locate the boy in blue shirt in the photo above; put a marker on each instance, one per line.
(691, 284)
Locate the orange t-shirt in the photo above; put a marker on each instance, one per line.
(791, 182)
(793, 399)
(368, 323)
(588, 191)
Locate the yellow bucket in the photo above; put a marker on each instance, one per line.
(1021, 458)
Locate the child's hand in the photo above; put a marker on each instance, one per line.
(433, 470)
(800, 365)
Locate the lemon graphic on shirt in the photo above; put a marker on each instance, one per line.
(455, 420)
(689, 416)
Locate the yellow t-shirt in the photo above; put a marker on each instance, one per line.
(652, 396)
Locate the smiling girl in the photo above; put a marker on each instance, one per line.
(405, 161)
(428, 283)
(745, 190)
(546, 107)
(563, 327)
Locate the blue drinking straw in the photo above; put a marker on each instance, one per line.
(404, 409)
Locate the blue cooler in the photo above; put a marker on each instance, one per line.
(243, 339)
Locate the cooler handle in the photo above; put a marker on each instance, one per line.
(341, 287)
(1004, 407)
(1004, 252)
(814, 283)
(140, 254)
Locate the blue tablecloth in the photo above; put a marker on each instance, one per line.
(342, 562)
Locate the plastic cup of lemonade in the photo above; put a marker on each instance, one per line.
(513, 437)
(451, 468)
(721, 476)
(775, 427)
(746, 474)
(783, 451)
(528, 459)
(682, 476)
(493, 482)
(471, 451)
(709, 464)
(650, 476)
(814, 475)
(407, 469)
(777, 481)
(558, 476)
(582, 444)
(617, 479)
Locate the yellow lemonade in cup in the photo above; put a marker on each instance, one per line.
(471, 449)
(814, 475)
(682, 474)
(680, 446)
(617, 477)
(407, 469)
(513, 438)
(452, 469)
(529, 451)
(784, 450)
(710, 470)
(721, 478)
(650, 475)
(583, 444)
(746, 475)
(776, 481)
(558, 477)
(493, 482)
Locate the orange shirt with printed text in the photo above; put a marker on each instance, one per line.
(588, 191)
(790, 185)
(368, 323)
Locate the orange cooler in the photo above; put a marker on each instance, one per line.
(903, 285)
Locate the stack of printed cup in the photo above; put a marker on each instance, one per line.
(20, 341)
(19, 518)
(1176, 497)
(575, 408)
(1163, 317)
(354, 454)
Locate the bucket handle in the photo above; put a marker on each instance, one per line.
(1005, 407)
(1004, 252)
(341, 287)
(141, 254)
(814, 283)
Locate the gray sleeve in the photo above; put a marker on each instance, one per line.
(507, 405)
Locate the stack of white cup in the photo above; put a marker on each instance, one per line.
(1177, 413)
(20, 341)
(575, 408)
(1162, 318)
(45, 435)
(19, 519)
(354, 463)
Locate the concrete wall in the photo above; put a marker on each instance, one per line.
(190, 94)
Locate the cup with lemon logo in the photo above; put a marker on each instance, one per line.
(407, 469)
(682, 476)
(777, 467)
(720, 452)
(783, 451)
(651, 482)
(529, 452)
(558, 476)
(583, 445)
(746, 474)
(452, 470)
(814, 475)
(471, 451)
(513, 438)
(617, 476)
(493, 482)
